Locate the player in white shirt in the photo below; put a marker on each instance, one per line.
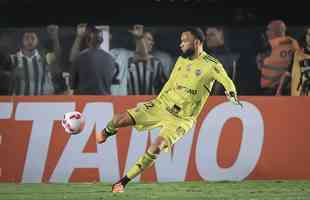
(119, 82)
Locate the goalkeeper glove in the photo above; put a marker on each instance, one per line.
(232, 97)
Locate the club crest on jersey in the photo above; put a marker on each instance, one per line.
(198, 72)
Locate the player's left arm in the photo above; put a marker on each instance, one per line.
(221, 76)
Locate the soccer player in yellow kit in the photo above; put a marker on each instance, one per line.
(178, 105)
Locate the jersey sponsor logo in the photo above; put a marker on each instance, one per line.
(187, 90)
(149, 105)
(174, 110)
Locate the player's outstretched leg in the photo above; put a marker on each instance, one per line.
(143, 163)
(118, 121)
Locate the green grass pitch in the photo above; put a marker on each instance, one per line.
(246, 190)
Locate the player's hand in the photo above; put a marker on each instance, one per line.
(137, 31)
(232, 97)
(80, 30)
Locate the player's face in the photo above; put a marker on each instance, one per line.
(214, 37)
(187, 44)
(308, 37)
(30, 41)
(275, 30)
(149, 41)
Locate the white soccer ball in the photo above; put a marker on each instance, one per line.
(73, 122)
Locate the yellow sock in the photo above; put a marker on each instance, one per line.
(143, 162)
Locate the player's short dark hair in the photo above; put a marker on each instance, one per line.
(197, 32)
(28, 30)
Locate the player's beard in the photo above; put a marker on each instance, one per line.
(188, 53)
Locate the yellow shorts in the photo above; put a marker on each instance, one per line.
(153, 114)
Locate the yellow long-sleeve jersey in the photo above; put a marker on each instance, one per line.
(191, 82)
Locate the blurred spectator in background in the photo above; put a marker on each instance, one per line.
(244, 16)
(143, 65)
(216, 47)
(92, 69)
(145, 74)
(5, 70)
(79, 42)
(79, 45)
(300, 85)
(164, 57)
(166, 60)
(30, 69)
(275, 64)
(121, 55)
(119, 82)
(5, 74)
(53, 57)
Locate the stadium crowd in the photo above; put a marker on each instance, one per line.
(137, 60)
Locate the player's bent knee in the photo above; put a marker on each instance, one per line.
(158, 145)
(154, 149)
